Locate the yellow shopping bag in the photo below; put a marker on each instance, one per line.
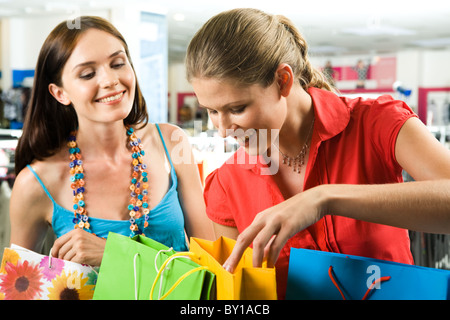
(246, 283)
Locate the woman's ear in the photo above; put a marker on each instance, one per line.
(285, 79)
(59, 94)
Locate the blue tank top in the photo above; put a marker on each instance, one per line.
(165, 223)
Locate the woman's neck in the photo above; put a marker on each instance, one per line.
(299, 119)
(102, 142)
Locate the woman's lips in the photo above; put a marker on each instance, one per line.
(111, 98)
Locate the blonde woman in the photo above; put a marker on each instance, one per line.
(321, 171)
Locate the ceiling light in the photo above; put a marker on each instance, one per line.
(378, 30)
(326, 49)
(437, 42)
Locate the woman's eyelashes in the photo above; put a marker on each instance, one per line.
(234, 110)
(90, 73)
(87, 75)
(238, 110)
(118, 65)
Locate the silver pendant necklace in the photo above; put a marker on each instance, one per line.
(298, 161)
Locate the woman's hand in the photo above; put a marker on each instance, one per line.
(418, 205)
(79, 246)
(273, 227)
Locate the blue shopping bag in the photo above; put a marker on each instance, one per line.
(318, 275)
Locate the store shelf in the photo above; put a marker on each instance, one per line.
(10, 134)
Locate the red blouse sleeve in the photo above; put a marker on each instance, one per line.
(217, 206)
(387, 116)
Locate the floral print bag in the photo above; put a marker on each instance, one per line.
(27, 275)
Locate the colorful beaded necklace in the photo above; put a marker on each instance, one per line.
(138, 189)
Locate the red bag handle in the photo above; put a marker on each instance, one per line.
(330, 274)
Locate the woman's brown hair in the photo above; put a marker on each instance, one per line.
(247, 46)
(48, 123)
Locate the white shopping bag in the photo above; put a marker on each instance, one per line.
(27, 275)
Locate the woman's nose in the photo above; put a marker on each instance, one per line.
(224, 126)
(109, 79)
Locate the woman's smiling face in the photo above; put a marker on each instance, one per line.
(97, 79)
(249, 114)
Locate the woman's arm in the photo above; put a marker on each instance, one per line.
(190, 190)
(28, 210)
(30, 215)
(422, 205)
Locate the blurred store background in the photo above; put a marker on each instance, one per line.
(367, 48)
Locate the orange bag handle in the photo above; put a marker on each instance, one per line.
(381, 279)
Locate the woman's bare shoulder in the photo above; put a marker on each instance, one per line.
(28, 198)
(173, 134)
(27, 188)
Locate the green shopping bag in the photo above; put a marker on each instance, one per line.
(141, 268)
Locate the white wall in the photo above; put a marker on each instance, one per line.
(436, 68)
(5, 81)
(177, 84)
(21, 40)
(409, 72)
(127, 22)
(423, 69)
(27, 37)
(1, 45)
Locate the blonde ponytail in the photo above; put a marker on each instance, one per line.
(308, 76)
(247, 46)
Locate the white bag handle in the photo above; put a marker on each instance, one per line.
(160, 272)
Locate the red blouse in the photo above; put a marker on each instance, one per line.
(353, 142)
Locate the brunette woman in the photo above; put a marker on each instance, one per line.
(89, 163)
